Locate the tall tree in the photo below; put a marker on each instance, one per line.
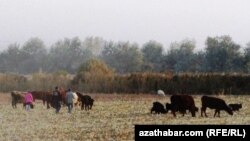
(94, 44)
(152, 56)
(123, 56)
(32, 54)
(10, 59)
(67, 55)
(181, 57)
(247, 57)
(222, 54)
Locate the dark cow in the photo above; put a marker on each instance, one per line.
(87, 101)
(235, 107)
(158, 108)
(214, 103)
(17, 97)
(169, 107)
(182, 103)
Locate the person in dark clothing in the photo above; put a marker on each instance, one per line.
(56, 100)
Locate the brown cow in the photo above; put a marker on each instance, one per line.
(45, 96)
(182, 103)
(40, 95)
(214, 103)
(62, 93)
(50, 100)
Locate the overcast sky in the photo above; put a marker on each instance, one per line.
(138, 21)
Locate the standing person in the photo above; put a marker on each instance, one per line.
(56, 100)
(28, 100)
(69, 100)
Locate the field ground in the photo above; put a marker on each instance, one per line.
(112, 118)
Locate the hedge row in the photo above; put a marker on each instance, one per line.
(201, 83)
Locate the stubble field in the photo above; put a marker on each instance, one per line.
(112, 118)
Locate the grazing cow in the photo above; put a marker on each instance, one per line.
(235, 107)
(158, 108)
(17, 97)
(214, 103)
(169, 107)
(182, 103)
(87, 101)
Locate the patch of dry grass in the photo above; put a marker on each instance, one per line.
(112, 118)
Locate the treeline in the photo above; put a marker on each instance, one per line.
(221, 55)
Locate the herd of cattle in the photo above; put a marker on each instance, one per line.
(179, 103)
(182, 103)
(85, 101)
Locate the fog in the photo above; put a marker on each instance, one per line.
(137, 21)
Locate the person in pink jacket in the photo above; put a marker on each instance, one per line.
(28, 100)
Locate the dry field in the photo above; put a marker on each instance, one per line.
(112, 118)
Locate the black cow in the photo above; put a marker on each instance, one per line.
(235, 107)
(17, 97)
(169, 107)
(182, 103)
(214, 103)
(158, 108)
(87, 101)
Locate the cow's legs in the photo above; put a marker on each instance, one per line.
(217, 111)
(44, 102)
(173, 111)
(82, 107)
(203, 110)
(48, 105)
(13, 104)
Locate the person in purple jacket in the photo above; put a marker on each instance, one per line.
(28, 100)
